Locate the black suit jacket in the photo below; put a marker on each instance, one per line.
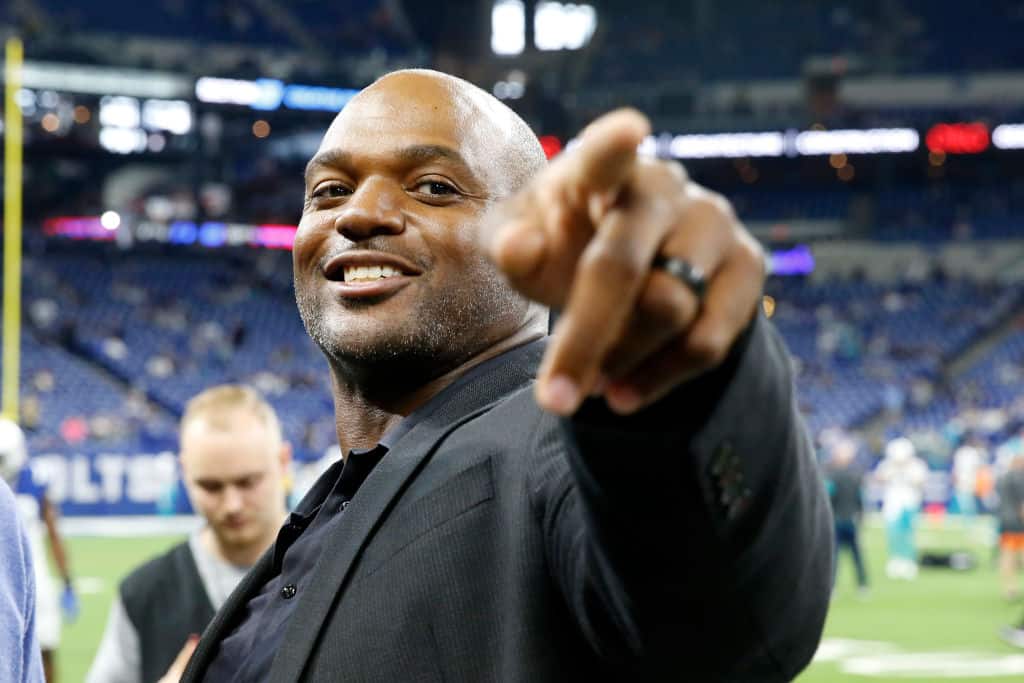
(496, 542)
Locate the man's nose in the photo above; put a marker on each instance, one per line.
(232, 501)
(373, 209)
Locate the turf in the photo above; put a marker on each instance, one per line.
(943, 616)
(941, 612)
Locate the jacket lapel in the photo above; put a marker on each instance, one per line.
(380, 491)
(227, 616)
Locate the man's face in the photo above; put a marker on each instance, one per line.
(235, 478)
(387, 266)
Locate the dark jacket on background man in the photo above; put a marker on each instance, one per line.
(166, 602)
(498, 543)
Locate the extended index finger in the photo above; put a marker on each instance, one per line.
(536, 237)
(603, 161)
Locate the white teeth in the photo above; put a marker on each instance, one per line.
(363, 273)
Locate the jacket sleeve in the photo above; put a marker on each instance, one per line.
(19, 647)
(694, 537)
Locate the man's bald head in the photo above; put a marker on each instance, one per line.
(507, 142)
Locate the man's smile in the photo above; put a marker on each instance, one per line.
(369, 273)
(362, 273)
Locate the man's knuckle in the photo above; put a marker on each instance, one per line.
(725, 208)
(708, 348)
(611, 259)
(708, 206)
(668, 305)
(662, 178)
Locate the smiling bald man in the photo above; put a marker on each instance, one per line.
(631, 499)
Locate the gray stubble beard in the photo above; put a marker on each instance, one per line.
(437, 339)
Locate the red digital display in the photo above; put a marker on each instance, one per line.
(958, 138)
(551, 145)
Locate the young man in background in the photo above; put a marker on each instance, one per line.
(234, 461)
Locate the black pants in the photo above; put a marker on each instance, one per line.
(846, 536)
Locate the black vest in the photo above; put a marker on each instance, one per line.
(166, 602)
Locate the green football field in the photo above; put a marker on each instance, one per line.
(941, 627)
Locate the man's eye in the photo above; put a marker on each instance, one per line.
(330, 191)
(434, 187)
(248, 482)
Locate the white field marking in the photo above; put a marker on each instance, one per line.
(116, 526)
(838, 649)
(933, 665)
(875, 659)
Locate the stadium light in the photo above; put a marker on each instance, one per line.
(725, 145)
(558, 26)
(870, 141)
(173, 116)
(99, 80)
(110, 220)
(835, 143)
(263, 94)
(123, 140)
(1008, 136)
(508, 27)
(268, 94)
(317, 98)
(508, 90)
(26, 101)
(120, 111)
(50, 122)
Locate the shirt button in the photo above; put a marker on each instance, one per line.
(288, 592)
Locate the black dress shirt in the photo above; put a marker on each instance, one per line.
(246, 655)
